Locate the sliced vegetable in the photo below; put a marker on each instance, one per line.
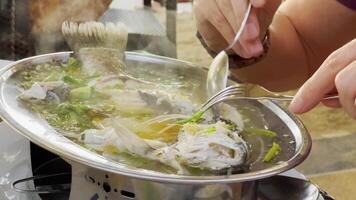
(209, 130)
(72, 65)
(81, 93)
(72, 81)
(261, 132)
(272, 152)
(195, 118)
(66, 108)
(73, 117)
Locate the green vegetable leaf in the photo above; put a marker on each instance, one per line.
(72, 81)
(74, 115)
(66, 108)
(81, 93)
(72, 65)
(261, 132)
(272, 152)
(195, 118)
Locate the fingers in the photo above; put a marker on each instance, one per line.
(260, 19)
(323, 80)
(346, 86)
(334, 103)
(250, 40)
(258, 3)
(234, 12)
(219, 21)
(239, 8)
(225, 7)
(211, 35)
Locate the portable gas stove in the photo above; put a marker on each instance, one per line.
(88, 183)
(96, 177)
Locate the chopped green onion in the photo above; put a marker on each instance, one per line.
(71, 81)
(272, 152)
(195, 118)
(209, 130)
(261, 132)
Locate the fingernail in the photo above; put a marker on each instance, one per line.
(297, 105)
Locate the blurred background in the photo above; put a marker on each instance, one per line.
(166, 27)
(32, 27)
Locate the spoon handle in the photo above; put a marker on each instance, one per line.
(243, 24)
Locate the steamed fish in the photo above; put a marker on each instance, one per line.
(100, 47)
(210, 146)
(125, 140)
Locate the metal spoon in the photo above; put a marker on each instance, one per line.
(219, 68)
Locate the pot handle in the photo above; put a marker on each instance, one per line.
(43, 189)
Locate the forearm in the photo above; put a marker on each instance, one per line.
(303, 34)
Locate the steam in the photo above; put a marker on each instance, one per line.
(48, 15)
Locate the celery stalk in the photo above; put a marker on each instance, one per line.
(195, 118)
(272, 152)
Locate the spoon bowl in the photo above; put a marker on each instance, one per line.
(219, 68)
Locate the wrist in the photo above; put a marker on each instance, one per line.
(237, 62)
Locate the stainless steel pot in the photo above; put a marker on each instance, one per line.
(147, 184)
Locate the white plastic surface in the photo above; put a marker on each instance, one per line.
(15, 162)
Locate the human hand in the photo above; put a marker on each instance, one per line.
(219, 20)
(337, 72)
